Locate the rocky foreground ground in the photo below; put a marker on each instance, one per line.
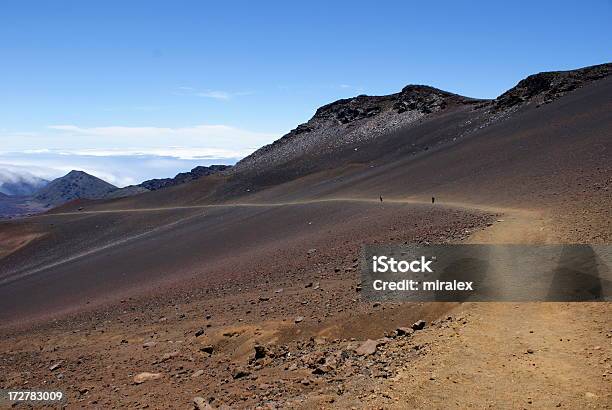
(306, 339)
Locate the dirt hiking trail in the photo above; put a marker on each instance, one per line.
(508, 355)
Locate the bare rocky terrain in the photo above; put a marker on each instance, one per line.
(241, 289)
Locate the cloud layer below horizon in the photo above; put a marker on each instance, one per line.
(125, 155)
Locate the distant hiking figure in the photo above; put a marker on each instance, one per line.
(381, 198)
(433, 199)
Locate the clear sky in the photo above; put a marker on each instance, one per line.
(129, 90)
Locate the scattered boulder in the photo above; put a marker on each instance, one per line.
(323, 369)
(168, 356)
(404, 331)
(146, 376)
(201, 404)
(260, 352)
(207, 349)
(419, 325)
(299, 319)
(240, 372)
(367, 348)
(199, 333)
(55, 366)
(197, 373)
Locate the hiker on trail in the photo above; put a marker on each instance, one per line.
(433, 199)
(381, 198)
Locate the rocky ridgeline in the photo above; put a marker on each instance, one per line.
(543, 88)
(156, 184)
(351, 122)
(418, 98)
(183, 177)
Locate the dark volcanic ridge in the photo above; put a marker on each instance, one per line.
(161, 183)
(352, 122)
(183, 177)
(544, 88)
(345, 130)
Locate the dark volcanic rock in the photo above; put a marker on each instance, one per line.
(418, 325)
(424, 99)
(548, 86)
(126, 191)
(240, 372)
(260, 352)
(196, 173)
(418, 98)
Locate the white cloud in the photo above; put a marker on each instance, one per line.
(174, 152)
(125, 155)
(119, 170)
(192, 141)
(222, 95)
(143, 108)
(217, 95)
(202, 131)
(12, 174)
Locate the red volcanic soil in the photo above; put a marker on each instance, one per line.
(187, 281)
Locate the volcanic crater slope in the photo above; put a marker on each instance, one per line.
(364, 129)
(343, 126)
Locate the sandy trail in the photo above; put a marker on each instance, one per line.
(510, 355)
(409, 200)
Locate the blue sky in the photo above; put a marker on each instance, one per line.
(118, 88)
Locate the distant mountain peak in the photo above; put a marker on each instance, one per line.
(74, 185)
